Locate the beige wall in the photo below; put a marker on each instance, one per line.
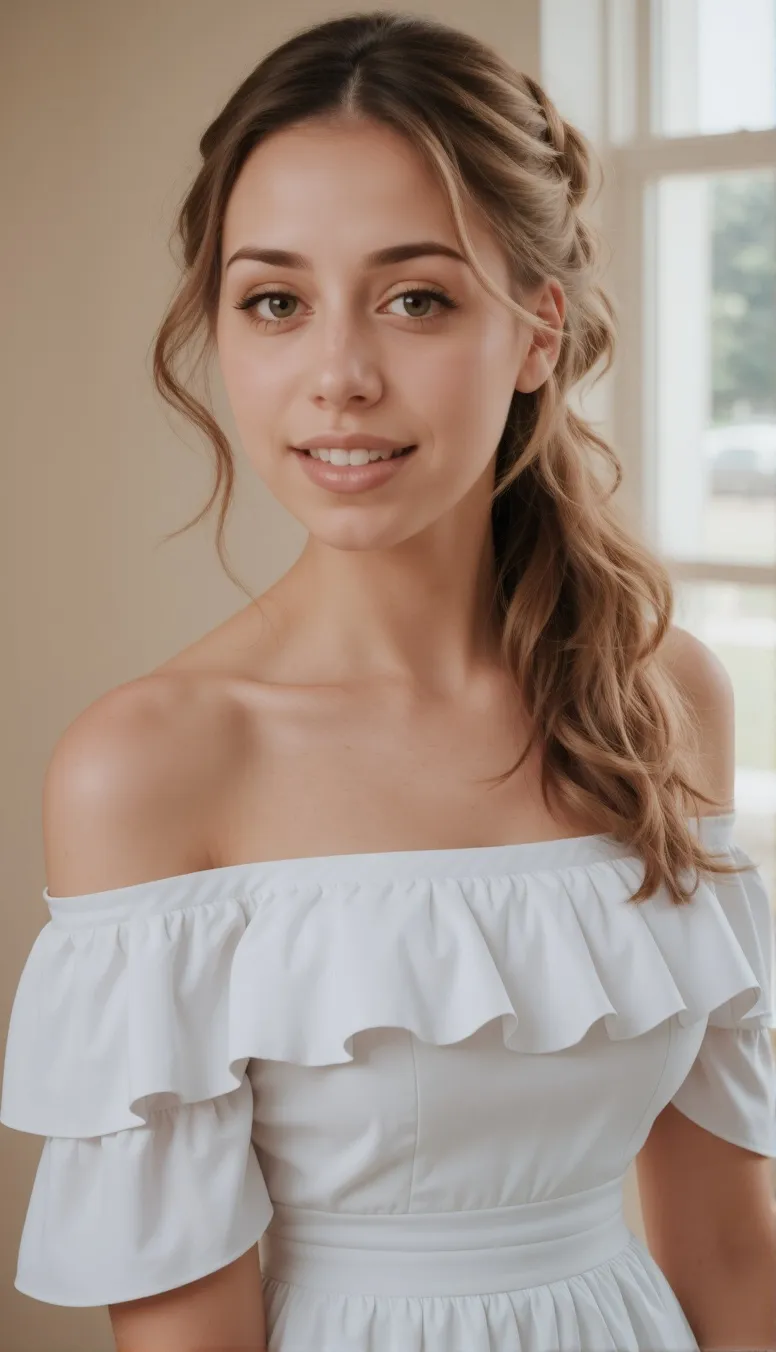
(102, 107)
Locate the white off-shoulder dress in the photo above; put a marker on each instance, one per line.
(416, 1078)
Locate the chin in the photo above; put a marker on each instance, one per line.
(362, 534)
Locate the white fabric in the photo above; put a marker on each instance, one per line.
(142, 1210)
(453, 1051)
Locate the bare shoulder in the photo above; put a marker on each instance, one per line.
(128, 786)
(706, 684)
(698, 667)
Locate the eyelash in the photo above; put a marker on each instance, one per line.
(250, 302)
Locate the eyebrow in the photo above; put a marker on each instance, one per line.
(395, 253)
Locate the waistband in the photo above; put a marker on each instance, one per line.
(445, 1252)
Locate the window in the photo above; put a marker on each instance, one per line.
(716, 70)
(713, 475)
(679, 97)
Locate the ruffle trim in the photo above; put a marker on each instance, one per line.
(114, 1022)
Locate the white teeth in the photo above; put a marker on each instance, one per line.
(335, 455)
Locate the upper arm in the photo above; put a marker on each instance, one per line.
(701, 1194)
(125, 800)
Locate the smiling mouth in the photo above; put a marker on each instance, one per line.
(337, 456)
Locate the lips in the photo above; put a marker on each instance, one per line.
(353, 478)
(349, 441)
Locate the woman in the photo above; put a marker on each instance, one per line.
(387, 928)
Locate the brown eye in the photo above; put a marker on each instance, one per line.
(282, 299)
(251, 303)
(423, 295)
(414, 298)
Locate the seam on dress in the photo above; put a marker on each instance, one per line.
(251, 896)
(660, 1081)
(411, 1036)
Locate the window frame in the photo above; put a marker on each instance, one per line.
(633, 166)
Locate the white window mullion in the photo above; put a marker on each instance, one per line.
(726, 152)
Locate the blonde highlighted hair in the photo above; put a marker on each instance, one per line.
(583, 605)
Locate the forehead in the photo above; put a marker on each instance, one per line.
(356, 185)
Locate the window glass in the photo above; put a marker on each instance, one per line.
(717, 66)
(714, 362)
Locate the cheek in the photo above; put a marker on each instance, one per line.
(436, 368)
(252, 381)
(467, 387)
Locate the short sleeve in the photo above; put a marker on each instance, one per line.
(117, 1056)
(731, 1086)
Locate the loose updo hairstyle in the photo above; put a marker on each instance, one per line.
(583, 605)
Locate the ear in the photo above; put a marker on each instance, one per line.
(549, 304)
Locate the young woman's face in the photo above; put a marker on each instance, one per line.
(344, 349)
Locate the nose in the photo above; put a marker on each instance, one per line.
(344, 365)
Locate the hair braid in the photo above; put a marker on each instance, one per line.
(571, 150)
